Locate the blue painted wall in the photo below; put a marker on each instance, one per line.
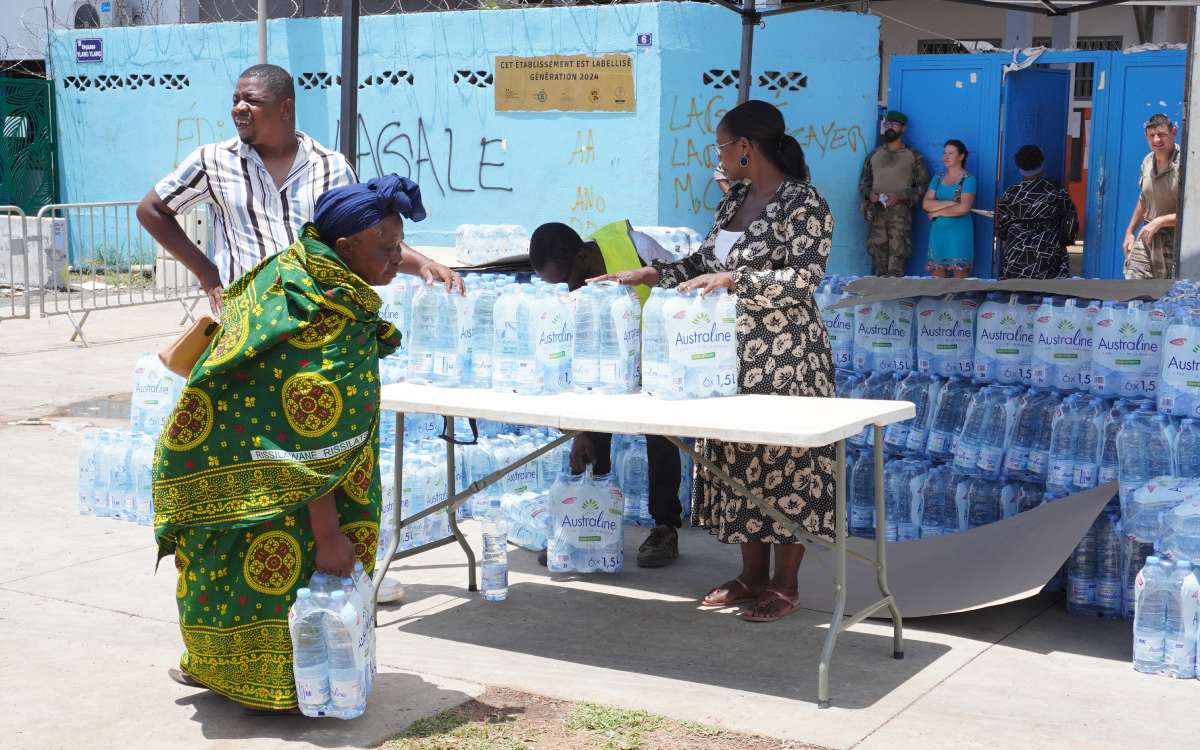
(587, 169)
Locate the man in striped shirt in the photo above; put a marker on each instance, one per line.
(263, 186)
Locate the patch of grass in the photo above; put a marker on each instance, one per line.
(616, 728)
(703, 730)
(452, 731)
(504, 719)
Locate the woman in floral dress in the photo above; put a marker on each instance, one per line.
(769, 244)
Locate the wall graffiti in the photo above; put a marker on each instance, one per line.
(691, 162)
(829, 138)
(410, 154)
(584, 216)
(193, 132)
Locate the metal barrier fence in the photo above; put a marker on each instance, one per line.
(14, 264)
(75, 259)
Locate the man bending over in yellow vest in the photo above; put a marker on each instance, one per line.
(560, 256)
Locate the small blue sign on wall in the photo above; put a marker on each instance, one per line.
(645, 40)
(106, 7)
(89, 50)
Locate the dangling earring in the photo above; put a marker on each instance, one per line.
(744, 161)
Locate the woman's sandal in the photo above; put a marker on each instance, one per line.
(185, 679)
(734, 592)
(767, 602)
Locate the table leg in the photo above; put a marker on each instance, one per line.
(840, 532)
(381, 566)
(450, 514)
(881, 549)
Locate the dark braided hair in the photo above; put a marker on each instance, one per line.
(762, 124)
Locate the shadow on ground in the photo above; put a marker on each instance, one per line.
(221, 719)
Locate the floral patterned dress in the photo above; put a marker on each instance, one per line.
(783, 350)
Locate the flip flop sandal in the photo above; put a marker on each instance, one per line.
(746, 595)
(185, 679)
(769, 596)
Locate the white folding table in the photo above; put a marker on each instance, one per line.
(774, 420)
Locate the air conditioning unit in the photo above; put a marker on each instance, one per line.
(103, 14)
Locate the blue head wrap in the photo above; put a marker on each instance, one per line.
(349, 209)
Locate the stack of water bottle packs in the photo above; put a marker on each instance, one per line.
(537, 338)
(523, 493)
(116, 468)
(332, 626)
(1019, 399)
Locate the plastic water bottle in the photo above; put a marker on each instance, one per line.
(530, 378)
(966, 450)
(310, 656)
(484, 338)
(635, 482)
(100, 465)
(350, 591)
(1179, 642)
(1043, 436)
(1133, 556)
(1060, 478)
(505, 339)
(1087, 437)
(585, 352)
(345, 678)
(1150, 618)
(87, 473)
(1016, 458)
(118, 476)
(991, 436)
(423, 335)
(1109, 458)
(983, 503)
(915, 388)
(862, 502)
(1081, 575)
(612, 359)
(1108, 567)
(142, 476)
(445, 340)
(933, 516)
(494, 584)
(725, 316)
(1143, 449)
(1187, 449)
(948, 414)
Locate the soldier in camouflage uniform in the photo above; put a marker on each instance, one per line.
(894, 179)
(1150, 253)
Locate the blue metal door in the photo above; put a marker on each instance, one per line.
(1037, 102)
(1142, 85)
(944, 99)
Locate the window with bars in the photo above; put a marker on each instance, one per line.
(1085, 72)
(949, 46)
(1086, 43)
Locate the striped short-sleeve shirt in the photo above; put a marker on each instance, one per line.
(253, 218)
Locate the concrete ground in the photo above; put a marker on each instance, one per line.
(88, 629)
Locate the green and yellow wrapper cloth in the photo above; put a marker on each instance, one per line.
(282, 409)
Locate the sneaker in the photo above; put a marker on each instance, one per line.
(389, 591)
(660, 548)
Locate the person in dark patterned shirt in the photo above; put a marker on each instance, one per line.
(1029, 220)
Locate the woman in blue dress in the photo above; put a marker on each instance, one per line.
(948, 203)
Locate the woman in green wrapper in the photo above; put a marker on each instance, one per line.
(268, 468)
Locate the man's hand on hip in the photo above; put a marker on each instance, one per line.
(213, 289)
